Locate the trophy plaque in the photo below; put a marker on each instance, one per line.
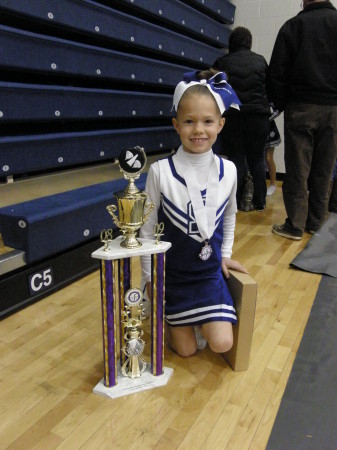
(131, 202)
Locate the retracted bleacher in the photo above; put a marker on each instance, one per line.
(81, 80)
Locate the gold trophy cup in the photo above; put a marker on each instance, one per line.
(131, 202)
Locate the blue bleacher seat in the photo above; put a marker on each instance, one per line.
(49, 225)
(23, 50)
(37, 153)
(30, 102)
(184, 17)
(223, 10)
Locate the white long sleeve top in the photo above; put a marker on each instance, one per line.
(198, 165)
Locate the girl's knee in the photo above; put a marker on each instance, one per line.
(221, 344)
(186, 352)
(182, 340)
(184, 349)
(219, 336)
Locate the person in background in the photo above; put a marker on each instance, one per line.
(273, 140)
(333, 192)
(193, 192)
(302, 82)
(245, 132)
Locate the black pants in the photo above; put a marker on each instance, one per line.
(242, 139)
(310, 150)
(333, 197)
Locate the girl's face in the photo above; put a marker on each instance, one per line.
(198, 122)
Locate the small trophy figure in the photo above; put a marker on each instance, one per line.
(106, 237)
(134, 345)
(131, 201)
(158, 232)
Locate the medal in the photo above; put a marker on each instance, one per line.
(206, 252)
(204, 211)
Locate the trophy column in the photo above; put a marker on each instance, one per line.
(109, 314)
(157, 313)
(124, 283)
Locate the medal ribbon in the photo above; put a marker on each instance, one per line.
(204, 213)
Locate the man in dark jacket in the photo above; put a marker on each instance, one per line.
(245, 131)
(302, 81)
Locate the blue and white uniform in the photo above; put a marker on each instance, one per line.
(195, 290)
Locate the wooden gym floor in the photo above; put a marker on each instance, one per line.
(51, 359)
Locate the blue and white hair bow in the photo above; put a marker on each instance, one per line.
(222, 92)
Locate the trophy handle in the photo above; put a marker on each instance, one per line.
(149, 205)
(111, 209)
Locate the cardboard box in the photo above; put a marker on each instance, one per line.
(244, 292)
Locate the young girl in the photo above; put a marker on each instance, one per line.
(194, 192)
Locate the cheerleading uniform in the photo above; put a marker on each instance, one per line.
(195, 289)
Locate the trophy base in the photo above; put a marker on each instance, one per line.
(127, 386)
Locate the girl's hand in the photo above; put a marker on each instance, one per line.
(148, 290)
(228, 263)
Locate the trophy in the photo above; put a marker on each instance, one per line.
(122, 308)
(131, 202)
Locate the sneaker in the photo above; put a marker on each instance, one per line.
(201, 341)
(310, 228)
(260, 208)
(310, 231)
(271, 189)
(284, 231)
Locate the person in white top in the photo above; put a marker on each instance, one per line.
(194, 193)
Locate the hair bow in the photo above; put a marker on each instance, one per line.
(222, 92)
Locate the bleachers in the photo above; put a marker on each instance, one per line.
(81, 80)
(40, 153)
(50, 103)
(181, 17)
(34, 53)
(50, 225)
(68, 61)
(222, 11)
(111, 27)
